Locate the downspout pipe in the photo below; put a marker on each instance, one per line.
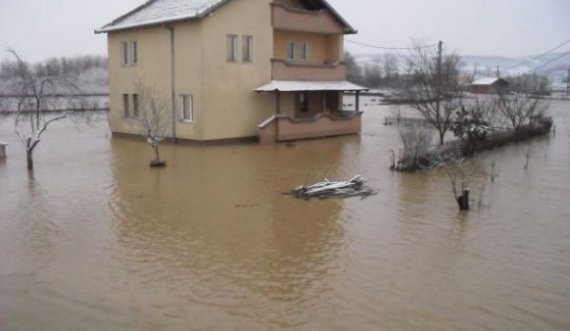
(173, 80)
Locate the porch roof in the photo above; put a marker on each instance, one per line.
(307, 86)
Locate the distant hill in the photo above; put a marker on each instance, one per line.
(555, 66)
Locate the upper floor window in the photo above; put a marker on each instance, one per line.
(232, 47)
(247, 49)
(291, 50)
(134, 52)
(305, 51)
(129, 53)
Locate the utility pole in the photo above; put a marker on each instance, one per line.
(568, 83)
(439, 73)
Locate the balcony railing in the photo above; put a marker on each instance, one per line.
(284, 128)
(293, 19)
(284, 70)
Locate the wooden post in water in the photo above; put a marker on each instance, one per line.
(3, 150)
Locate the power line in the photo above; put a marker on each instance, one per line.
(390, 48)
(550, 61)
(539, 56)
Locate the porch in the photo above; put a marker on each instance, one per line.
(309, 109)
(280, 128)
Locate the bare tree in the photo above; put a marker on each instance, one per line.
(433, 89)
(521, 111)
(391, 71)
(417, 140)
(152, 117)
(460, 177)
(353, 71)
(33, 89)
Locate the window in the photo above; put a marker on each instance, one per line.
(126, 105)
(232, 47)
(291, 50)
(303, 102)
(187, 108)
(305, 52)
(129, 53)
(136, 105)
(134, 55)
(247, 49)
(124, 53)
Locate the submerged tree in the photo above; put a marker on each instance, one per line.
(522, 112)
(433, 88)
(151, 116)
(460, 175)
(33, 89)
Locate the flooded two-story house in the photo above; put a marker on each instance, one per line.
(232, 70)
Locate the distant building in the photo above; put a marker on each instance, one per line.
(489, 85)
(271, 70)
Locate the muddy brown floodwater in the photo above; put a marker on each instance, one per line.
(96, 240)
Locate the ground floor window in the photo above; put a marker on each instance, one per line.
(187, 107)
(136, 105)
(126, 108)
(303, 102)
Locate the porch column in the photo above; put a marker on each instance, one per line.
(277, 103)
(277, 113)
(357, 101)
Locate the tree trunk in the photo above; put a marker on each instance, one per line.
(463, 200)
(156, 154)
(157, 163)
(30, 159)
(441, 136)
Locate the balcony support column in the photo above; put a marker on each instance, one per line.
(357, 102)
(277, 113)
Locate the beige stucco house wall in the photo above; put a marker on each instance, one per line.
(226, 89)
(225, 106)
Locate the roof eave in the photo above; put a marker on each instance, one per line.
(190, 18)
(349, 27)
(146, 25)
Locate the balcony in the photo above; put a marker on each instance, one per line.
(293, 19)
(284, 128)
(284, 70)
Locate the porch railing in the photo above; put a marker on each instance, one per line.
(279, 128)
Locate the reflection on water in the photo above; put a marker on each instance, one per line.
(96, 240)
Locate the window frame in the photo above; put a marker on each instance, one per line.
(303, 102)
(247, 49)
(136, 104)
(187, 99)
(126, 105)
(291, 50)
(305, 51)
(124, 53)
(133, 53)
(232, 48)
(129, 53)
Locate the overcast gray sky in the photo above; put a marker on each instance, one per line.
(39, 29)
